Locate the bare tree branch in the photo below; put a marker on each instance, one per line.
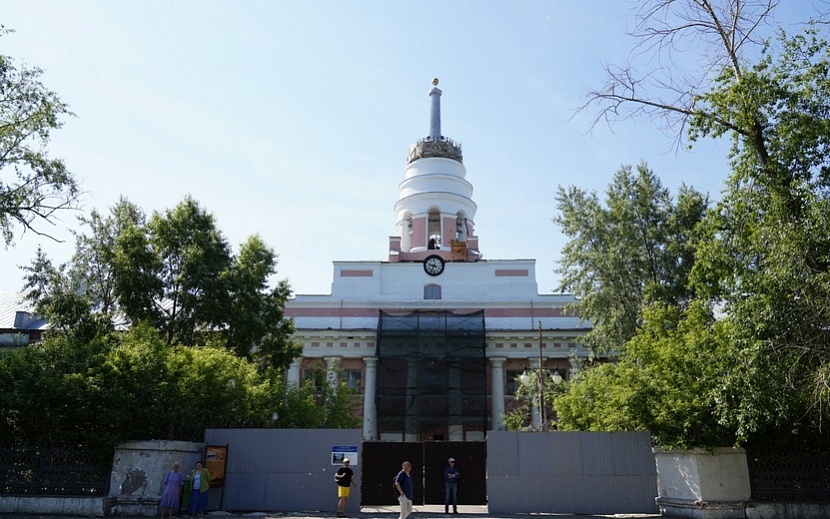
(684, 44)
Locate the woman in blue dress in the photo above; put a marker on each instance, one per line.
(171, 496)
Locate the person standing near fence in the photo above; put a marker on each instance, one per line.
(343, 478)
(451, 486)
(403, 484)
(171, 496)
(199, 484)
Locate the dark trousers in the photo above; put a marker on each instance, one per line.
(450, 497)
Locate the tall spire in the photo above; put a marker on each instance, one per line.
(436, 145)
(435, 112)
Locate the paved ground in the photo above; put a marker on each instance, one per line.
(380, 512)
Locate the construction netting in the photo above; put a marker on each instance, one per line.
(432, 376)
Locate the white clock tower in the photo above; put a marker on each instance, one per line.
(435, 210)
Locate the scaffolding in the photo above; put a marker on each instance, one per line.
(432, 376)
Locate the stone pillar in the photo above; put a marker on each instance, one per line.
(497, 392)
(370, 410)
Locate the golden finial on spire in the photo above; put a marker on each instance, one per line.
(435, 81)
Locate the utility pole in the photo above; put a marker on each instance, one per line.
(542, 412)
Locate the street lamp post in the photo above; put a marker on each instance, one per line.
(542, 412)
(557, 379)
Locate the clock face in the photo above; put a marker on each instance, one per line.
(434, 265)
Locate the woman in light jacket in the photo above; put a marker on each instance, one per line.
(199, 483)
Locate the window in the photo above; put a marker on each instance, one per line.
(316, 376)
(434, 229)
(352, 378)
(512, 383)
(432, 291)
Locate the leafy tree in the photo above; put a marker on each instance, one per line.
(633, 249)
(34, 187)
(256, 320)
(93, 265)
(767, 252)
(174, 271)
(327, 406)
(56, 298)
(667, 382)
(130, 385)
(80, 296)
(762, 258)
(527, 394)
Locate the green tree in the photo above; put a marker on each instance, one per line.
(766, 255)
(762, 258)
(33, 186)
(633, 249)
(666, 382)
(256, 320)
(92, 266)
(79, 296)
(131, 385)
(326, 406)
(174, 271)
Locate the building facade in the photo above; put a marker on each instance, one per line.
(435, 336)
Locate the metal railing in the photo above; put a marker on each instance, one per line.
(34, 471)
(788, 477)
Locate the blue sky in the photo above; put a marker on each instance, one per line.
(292, 120)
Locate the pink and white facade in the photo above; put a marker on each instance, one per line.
(434, 264)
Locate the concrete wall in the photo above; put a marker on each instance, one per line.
(138, 469)
(72, 506)
(701, 484)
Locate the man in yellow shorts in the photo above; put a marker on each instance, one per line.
(343, 477)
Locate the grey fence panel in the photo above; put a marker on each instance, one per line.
(283, 470)
(504, 460)
(570, 472)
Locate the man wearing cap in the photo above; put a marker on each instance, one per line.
(343, 477)
(451, 486)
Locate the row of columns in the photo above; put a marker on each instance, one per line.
(370, 392)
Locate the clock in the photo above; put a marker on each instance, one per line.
(434, 265)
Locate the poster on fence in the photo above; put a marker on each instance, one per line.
(215, 458)
(341, 452)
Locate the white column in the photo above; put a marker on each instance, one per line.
(535, 413)
(497, 392)
(370, 410)
(294, 371)
(332, 364)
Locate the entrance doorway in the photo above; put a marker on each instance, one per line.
(381, 462)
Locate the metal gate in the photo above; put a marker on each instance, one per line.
(381, 461)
